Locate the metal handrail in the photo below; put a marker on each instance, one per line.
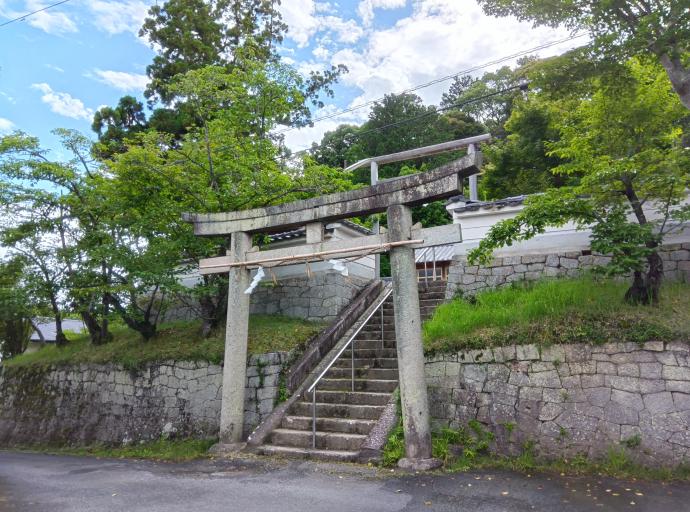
(350, 341)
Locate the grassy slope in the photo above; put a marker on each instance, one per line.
(178, 341)
(557, 311)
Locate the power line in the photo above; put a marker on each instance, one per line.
(23, 17)
(521, 53)
(522, 86)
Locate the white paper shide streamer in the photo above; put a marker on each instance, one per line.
(255, 282)
(339, 266)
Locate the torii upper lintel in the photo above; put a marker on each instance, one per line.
(413, 190)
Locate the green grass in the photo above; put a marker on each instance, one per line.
(616, 464)
(162, 449)
(468, 448)
(179, 341)
(557, 311)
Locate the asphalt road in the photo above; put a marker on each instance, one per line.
(36, 482)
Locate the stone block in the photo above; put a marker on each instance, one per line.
(530, 394)
(681, 401)
(631, 384)
(598, 396)
(576, 353)
(627, 399)
(659, 403)
(620, 415)
(592, 381)
(650, 370)
(549, 379)
(629, 370)
(606, 368)
(676, 373)
(550, 411)
(678, 385)
(533, 258)
(583, 368)
(526, 352)
(678, 346)
(553, 353)
(666, 358)
(569, 263)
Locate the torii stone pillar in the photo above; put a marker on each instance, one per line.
(236, 335)
(408, 334)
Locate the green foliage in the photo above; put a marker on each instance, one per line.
(494, 110)
(192, 34)
(624, 141)
(178, 341)
(618, 29)
(633, 441)
(555, 311)
(519, 164)
(16, 310)
(163, 450)
(457, 448)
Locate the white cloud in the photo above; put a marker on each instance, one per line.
(305, 18)
(55, 68)
(6, 125)
(121, 80)
(365, 9)
(9, 98)
(63, 103)
(118, 17)
(53, 21)
(301, 139)
(433, 42)
(300, 16)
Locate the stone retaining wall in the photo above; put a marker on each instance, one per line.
(470, 279)
(319, 297)
(571, 399)
(109, 404)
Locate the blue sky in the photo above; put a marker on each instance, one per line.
(59, 66)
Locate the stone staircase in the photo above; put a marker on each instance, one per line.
(344, 417)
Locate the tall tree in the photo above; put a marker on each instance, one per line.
(17, 310)
(624, 139)
(227, 161)
(521, 163)
(113, 125)
(621, 28)
(484, 98)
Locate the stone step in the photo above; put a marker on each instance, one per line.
(324, 440)
(375, 334)
(364, 373)
(423, 310)
(367, 363)
(361, 352)
(359, 412)
(291, 452)
(344, 425)
(371, 385)
(350, 397)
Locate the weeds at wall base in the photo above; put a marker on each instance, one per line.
(467, 449)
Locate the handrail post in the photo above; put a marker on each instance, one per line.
(383, 342)
(352, 353)
(313, 418)
(433, 255)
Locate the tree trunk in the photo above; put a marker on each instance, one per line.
(645, 288)
(97, 332)
(213, 308)
(60, 338)
(679, 76)
(143, 327)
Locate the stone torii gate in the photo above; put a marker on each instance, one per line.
(396, 196)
